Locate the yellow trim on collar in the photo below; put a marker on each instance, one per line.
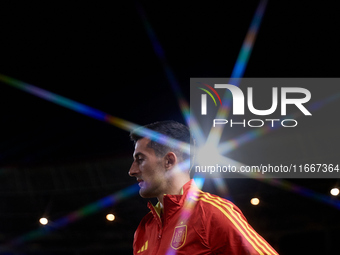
(181, 191)
(158, 209)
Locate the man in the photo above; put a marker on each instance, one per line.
(185, 220)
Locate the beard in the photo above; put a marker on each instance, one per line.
(148, 190)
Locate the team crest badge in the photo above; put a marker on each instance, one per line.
(179, 237)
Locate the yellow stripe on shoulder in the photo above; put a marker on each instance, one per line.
(255, 235)
(228, 210)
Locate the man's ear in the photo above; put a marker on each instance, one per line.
(170, 160)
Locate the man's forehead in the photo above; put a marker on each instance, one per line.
(142, 146)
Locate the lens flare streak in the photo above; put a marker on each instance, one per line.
(93, 113)
(188, 206)
(238, 71)
(183, 104)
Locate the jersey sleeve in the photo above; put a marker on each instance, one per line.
(228, 231)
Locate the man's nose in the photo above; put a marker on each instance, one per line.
(134, 170)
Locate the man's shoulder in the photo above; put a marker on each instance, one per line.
(213, 204)
(207, 198)
(146, 222)
(147, 218)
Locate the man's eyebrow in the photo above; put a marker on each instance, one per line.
(138, 154)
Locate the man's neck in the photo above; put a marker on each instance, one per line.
(173, 190)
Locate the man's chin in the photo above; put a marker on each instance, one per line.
(145, 193)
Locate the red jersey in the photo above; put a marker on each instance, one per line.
(197, 222)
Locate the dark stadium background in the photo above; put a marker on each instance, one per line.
(54, 161)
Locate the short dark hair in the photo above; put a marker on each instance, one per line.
(172, 129)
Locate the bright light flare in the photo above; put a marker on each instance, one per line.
(43, 221)
(221, 187)
(110, 217)
(208, 155)
(335, 191)
(199, 182)
(255, 201)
